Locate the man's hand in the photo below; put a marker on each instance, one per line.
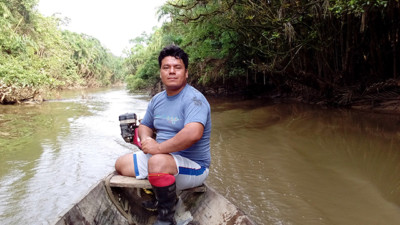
(150, 146)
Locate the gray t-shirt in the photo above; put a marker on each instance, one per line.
(169, 114)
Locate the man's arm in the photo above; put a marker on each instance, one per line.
(190, 134)
(145, 132)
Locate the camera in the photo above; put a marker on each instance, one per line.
(129, 128)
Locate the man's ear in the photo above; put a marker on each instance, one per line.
(187, 74)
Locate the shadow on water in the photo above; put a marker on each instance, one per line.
(298, 164)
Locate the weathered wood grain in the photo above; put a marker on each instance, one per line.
(201, 205)
(129, 182)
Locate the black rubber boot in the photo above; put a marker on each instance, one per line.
(167, 199)
(150, 205)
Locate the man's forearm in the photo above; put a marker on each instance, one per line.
(189, 135)
(185, 138)
(145, 132)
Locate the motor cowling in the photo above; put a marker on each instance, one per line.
(129, 128)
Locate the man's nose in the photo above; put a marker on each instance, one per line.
(171, 69)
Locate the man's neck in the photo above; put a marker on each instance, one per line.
(173, 91)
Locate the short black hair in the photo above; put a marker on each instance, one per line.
(175, 51)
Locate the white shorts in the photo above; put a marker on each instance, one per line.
(190, 174)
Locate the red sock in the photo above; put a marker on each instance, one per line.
(161, 179)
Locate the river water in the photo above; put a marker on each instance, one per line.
(280, 163)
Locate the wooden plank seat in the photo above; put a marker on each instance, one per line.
(131, 182)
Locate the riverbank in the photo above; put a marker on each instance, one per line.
(380, 100)
(10, 95)
(385, 106)
(381, 97)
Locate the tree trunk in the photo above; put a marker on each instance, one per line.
(264, 78)
(347, 49)
(247, 77)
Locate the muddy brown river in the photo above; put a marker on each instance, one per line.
(280, 163)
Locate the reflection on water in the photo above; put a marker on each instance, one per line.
(280, 163)
(294, 164)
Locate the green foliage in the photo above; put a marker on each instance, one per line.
(142, 60)
(21, 72)
(230, 43)
(340, 7)
(36, 54)
(318, 47)
(205, 42)
(135, 83)
(93, 62)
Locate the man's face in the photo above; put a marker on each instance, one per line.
(173, 74)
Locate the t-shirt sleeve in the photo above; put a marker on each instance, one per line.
(149, 116)
(196, 111)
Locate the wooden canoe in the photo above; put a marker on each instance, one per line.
(118, 200)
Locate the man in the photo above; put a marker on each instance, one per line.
(179, 157)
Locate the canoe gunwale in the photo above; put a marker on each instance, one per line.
(123, 205)
(94, 207)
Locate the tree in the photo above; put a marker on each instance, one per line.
(35, 55)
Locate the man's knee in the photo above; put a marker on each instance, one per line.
(124, 165)
(162, 163)
(119, 164)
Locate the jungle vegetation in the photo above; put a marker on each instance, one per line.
(36, 56)
(335, 52)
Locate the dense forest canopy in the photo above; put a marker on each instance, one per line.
(336, 52)
(331, 51)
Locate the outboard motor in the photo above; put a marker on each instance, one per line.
(129, 128)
